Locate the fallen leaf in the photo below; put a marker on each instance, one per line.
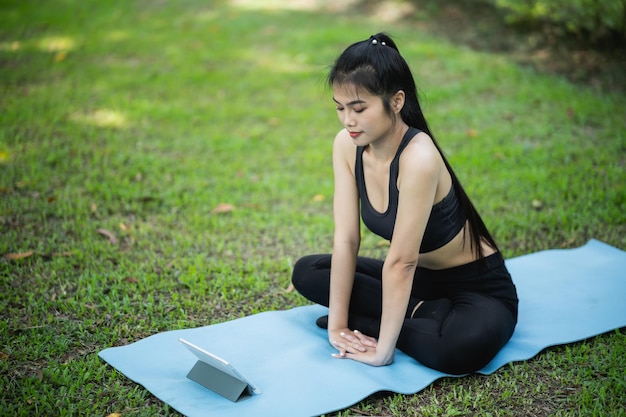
(114, 415)
(223, 208)
(51, 199)
(537, 204)
(471, 133)
(109, 235)
(383, 244)
(15, 256)
(318, 198)
(131, 280)
(93, 207)
(4, 356)
(290, 288)
(124, 227)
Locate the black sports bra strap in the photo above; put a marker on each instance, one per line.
(410, 134)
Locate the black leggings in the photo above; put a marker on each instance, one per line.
(467, 315)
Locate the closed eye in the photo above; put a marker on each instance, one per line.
(355, 110)
(351, 104)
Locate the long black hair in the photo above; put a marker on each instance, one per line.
(376, 65)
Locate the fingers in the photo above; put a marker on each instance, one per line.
(340, 355)
(349, 345)
(357, 341)
(349, 337)
(342, 351)
(369, 357)
(365, 339)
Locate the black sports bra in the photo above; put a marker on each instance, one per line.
(446, 218)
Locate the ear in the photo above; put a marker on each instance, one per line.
(397, 101)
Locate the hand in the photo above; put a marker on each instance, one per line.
(357, 346)
(346, 340)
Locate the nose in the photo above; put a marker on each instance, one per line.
(348, 120)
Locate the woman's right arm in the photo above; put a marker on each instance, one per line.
(347, 234)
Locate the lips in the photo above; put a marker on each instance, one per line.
(355, 135)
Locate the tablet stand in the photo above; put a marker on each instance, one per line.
(217, 381)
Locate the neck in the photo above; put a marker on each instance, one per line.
(386, 147)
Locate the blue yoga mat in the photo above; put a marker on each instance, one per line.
(565, 296)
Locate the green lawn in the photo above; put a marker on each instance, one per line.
(164, 163)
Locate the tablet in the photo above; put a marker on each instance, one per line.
(219, 363)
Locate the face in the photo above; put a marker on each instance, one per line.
(362, 114)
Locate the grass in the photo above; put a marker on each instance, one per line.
(163, 163)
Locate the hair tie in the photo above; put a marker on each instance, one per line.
(375, 41)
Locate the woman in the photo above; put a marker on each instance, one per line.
(443, 294)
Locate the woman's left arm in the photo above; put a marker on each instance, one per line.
(420, 167)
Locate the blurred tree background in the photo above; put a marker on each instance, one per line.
(592, 20)
(581, 40)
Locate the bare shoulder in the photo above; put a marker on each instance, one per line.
(343, 141)
(421, 156)
(344, 148)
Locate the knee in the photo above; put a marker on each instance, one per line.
(457, 352)
(305, 268)
(468, 356)
(471, 352)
